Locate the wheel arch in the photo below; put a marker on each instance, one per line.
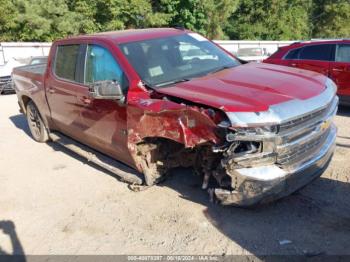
(24, 102)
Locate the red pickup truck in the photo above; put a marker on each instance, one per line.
(155, 99)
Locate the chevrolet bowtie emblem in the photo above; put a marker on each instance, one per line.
(325, 125)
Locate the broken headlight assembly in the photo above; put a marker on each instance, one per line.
(262, 131)
(251, 146)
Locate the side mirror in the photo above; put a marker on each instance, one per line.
(107, 89)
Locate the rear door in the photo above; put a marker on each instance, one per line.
(103, 122)
(340, 69)
(314, 58)
(62, 86)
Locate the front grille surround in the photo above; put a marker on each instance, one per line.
(300, 139)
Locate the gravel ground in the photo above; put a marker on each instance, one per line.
(59, 204)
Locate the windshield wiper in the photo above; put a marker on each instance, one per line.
(173, 82)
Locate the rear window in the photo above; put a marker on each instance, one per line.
(343, 53)
(316, 52)
(293, 54)
(66, 60)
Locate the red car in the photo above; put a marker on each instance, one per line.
(328, 57)
(155, 99)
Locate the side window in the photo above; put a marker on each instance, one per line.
(293, 54)
(316, 52)
(100, 65)
(342, 53)
(65, 61)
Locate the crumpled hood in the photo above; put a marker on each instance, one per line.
(252, 87)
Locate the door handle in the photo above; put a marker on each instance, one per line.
(337, 69)
(293, 64)
(86, 100)
(51, 90)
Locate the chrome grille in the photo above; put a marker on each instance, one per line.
(303, 120)
(303, 151)
(301, 138)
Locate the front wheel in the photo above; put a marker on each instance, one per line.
(36, 124)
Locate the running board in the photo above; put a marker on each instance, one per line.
(124, 172)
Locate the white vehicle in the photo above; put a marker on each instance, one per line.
(252, 54)
(5, 75)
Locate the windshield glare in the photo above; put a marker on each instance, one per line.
(163, 61)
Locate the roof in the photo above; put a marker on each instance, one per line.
(322, 41)
(132, 35)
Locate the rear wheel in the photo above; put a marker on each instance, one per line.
(36, 124)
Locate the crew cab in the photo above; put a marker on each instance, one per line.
(136, 103)
(328, 57)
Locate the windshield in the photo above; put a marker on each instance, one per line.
(164, 61)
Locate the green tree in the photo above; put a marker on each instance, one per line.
(87, 12)
(271, 20)
(189, 14)
(103, 15)
(7, 20)
(217, 15)
(40, 20)
(207, 17)
(46, 20)
(331, 18)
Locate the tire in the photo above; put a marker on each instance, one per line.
(36, 124)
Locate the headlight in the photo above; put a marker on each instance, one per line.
(252, 131)
(261, 130)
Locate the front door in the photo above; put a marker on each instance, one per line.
(103, 122)
(340, 69)
(315, 58)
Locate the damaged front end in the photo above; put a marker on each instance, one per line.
(263, 163)
(244, 158)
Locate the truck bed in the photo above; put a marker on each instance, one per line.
(38, 70)
(28, 81)
(25, 77)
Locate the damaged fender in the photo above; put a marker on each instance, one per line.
(181, 126)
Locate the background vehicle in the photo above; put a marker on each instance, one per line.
(6, 84)
(252, 54)
(328, 57)
(255, 132)
(37, 60)
(5, 76)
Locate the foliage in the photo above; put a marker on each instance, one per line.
(331, 18)
(47, 20)
(271, 20)
(7, 21)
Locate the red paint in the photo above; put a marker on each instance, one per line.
(115, 128)
(251, 87)
(339, 72)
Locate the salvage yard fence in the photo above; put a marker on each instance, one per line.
(233, 45)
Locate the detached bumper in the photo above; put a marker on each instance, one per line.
(266, 183)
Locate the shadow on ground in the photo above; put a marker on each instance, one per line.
(315, 219)
(7, 227)
(20, 122)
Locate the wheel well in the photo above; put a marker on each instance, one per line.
(25, 101)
